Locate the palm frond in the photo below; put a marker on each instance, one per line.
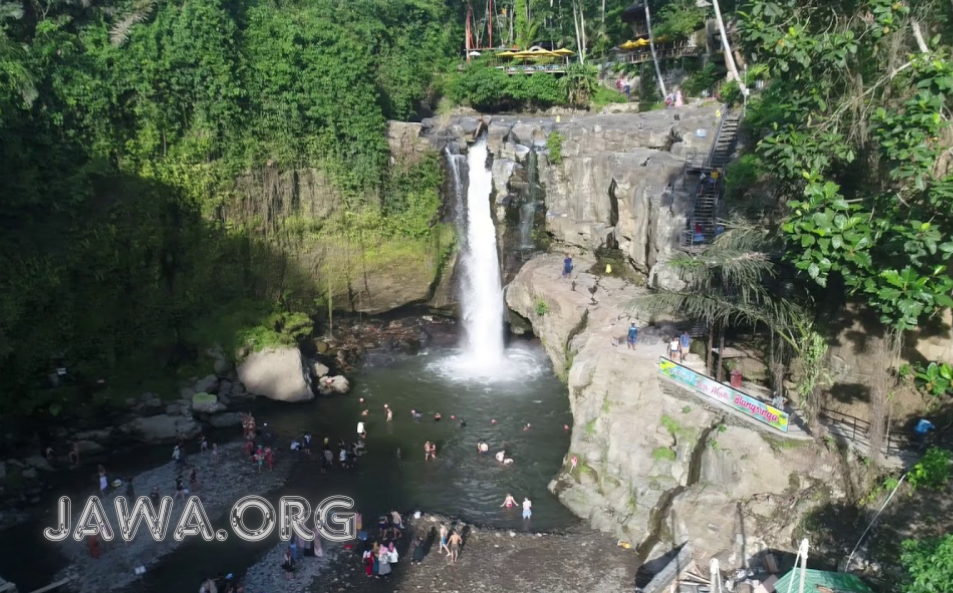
(781, 316)
(138, 13)
(11, 11)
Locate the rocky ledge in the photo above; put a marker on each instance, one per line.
(656, 466)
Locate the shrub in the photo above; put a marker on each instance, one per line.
(663, 454)
(554, 143)
(541, 307)
(731, 93)
(932, 471)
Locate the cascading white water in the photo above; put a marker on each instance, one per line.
(482, 356)
(481, 299)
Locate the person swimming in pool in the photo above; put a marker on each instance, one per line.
(500, 456)
(509, 502)
(437, 417)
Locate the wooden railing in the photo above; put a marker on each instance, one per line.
(664, 53)
(534, 68)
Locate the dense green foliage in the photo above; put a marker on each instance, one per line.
(928, 564)
(932, 471)
(489, 89)
(854, 129)
(123, 130)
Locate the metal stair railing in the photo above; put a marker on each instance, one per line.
(706, 200)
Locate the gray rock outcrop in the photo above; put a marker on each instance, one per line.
(335, 384)
(162, 428)
(277, 373)
(651, 456)
(206, 403)
(620, 180)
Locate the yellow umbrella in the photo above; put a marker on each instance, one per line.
(564, 52)
(535, 54)
(506, 54)
(629, 45)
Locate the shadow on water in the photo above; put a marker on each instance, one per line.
(460, 483)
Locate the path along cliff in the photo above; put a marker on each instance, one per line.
(657, 466)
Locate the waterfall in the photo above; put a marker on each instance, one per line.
(481, 297)
(482, 356)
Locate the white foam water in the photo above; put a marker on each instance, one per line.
(482, 356)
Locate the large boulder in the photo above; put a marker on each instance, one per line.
(39, 462)
(162, 428)
(207, 385)
(277, 373)
(205, 403)
(226, 420)
(335, 384)
(319, 369)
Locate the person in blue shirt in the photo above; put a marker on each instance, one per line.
(632, 337)
(684, 341)
(923, 428)
(567, 266)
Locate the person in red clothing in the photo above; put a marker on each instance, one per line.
(249, 447)
(92, 542)
(269, 458)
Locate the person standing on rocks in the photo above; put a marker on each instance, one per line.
(270, 458)
(328, 458)
(194, 479)
(155, 497)
(567, 266)
(178, 456)
(215, 453)
(684, 342)
(103, 481)
(307, 443)
(180, 490)
(383, 563)
(443, 539)
(527, 508)
(288, 565)
(673, 348)
(455, 541)
(632, 337)
(418, 556)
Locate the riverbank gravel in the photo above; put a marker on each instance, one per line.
(578, 560)
(221, 484)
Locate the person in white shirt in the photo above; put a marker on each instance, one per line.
(360, 430)
(527, 508)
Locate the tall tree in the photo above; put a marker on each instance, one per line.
(726, 46)
(658, 70)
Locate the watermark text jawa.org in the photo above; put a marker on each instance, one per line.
(292, 519)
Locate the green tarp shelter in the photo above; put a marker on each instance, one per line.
(821, 581)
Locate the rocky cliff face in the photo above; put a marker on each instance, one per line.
(618, 181)
(656, 466)
(370, 274)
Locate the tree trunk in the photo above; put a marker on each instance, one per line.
(721, 355)
(658, 70)
(711, 346)
(580, 25)
(726, 46)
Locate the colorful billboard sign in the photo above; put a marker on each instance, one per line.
(728, 396)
